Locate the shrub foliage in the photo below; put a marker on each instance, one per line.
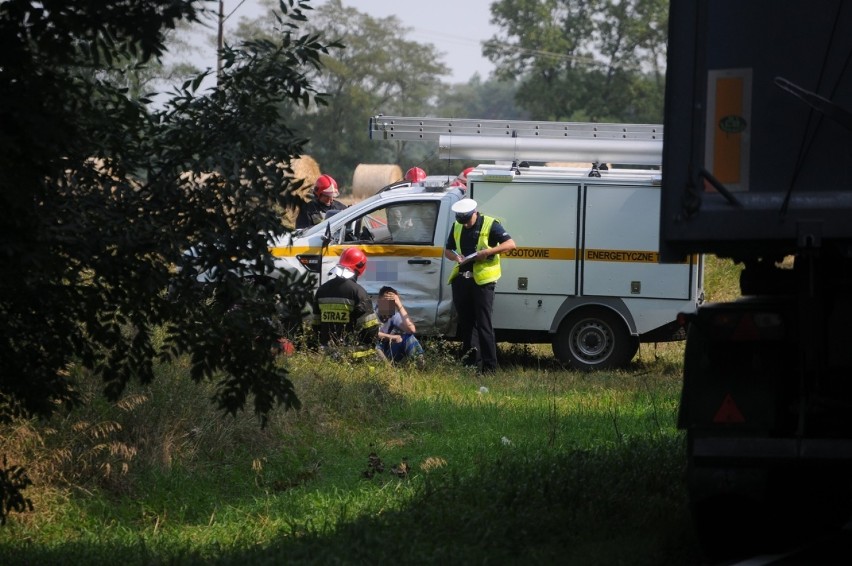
(111, 206)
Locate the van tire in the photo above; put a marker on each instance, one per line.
(594, 339)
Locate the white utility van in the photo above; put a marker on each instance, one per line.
(585, 276)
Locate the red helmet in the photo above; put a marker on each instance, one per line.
(415, 175)
(326, 185)
(463, 175)
(355, 259)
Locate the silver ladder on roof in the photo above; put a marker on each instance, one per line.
(524, 140)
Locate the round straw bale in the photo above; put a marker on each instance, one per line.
(305, 170)
(369, 178)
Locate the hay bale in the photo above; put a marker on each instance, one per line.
(307, 170)
(369, 178)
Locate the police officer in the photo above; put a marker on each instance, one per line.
(325, 191)
(475, 244)
(343, 314)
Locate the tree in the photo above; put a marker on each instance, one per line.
(101, 198)
(589, 60)
(478, 99)
(378, 70)
(489, 99)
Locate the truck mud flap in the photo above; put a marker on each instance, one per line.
(671, 332)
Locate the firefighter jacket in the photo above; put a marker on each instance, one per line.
(343, 315)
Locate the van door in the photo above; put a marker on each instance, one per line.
(404, 248)
(541, 216)
(621, 246)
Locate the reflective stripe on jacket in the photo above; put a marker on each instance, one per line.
(343, 314)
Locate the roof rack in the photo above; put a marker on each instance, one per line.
(523, 140)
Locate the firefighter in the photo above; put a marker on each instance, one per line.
(475, 243)
(343, 316)
(461, 180)
(415, 175)
(325, 191)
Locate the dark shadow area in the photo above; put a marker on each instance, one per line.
(623, 504)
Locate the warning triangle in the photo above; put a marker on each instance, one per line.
(728, 412)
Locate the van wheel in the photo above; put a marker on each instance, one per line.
(594, 339)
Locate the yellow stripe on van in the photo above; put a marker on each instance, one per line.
(288, 251)
(371, 251)
(540, 253)
(400, 251)
(623, 256)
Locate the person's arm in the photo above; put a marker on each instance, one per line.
(406, 324)
(450, 251)
(389, 338)
(452, 255)
(384, 337)
(366, 321)
(503, 240)
(303, 219)
(498, 249)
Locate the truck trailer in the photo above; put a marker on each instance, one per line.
(757, 167)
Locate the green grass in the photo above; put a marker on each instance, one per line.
(721, 279)
(534, 464)
(544, 466)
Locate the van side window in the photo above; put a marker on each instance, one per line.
(413, 223)
(408, 223)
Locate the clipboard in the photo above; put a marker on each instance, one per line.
(467, 258)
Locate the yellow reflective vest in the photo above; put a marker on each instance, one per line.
(486, 271)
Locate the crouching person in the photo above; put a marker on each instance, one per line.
(397, 341)
(343, 316)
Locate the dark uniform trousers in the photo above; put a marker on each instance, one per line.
(473, 304)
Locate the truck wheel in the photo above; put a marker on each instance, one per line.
(594, 339)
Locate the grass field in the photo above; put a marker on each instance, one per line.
(536, 464)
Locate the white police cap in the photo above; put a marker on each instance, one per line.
(464, 206)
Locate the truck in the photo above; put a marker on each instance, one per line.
(757, 168)
(585, 277)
